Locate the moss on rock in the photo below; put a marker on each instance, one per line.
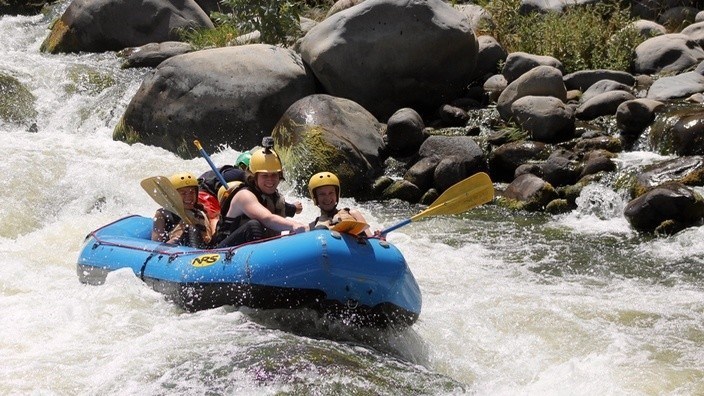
(58, 39)
(125, 133)
(304, 152)
(509, 203)
(88, 80)
(16, 102)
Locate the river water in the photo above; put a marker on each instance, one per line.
(513, 303)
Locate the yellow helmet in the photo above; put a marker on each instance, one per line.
(265, 160)
(323, 179)
(183, 179)
(223, 192)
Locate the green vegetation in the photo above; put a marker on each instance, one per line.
(592, 36)
(222, 36)
(125, 133)
(276, 20)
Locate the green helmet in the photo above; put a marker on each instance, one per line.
(243, 159)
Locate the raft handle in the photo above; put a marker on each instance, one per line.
(352, 304)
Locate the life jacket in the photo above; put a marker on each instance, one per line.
(275, 203)
(329, 219)
(196, 236)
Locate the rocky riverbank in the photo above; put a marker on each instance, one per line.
(401, 98)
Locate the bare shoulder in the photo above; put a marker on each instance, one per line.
(355, 212)
(357, 215)
(243, 195)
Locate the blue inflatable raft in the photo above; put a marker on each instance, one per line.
(365, 282)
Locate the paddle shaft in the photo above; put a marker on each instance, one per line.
(396, 226)
(212, 165)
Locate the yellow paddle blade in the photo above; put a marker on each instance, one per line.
(164, 193)
(460, 197)
(350, 227)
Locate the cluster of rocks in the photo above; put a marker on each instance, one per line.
(400, 83)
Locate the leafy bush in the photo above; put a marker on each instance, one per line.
(221, 36)
(591, 36)
(277, 21)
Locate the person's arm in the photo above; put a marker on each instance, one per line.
(209, 230)
(359, 217)
(159, 233)
(246, 203)
(293, 209)
(175, 234)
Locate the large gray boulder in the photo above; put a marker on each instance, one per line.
(686, 170)
(670, 202)
(546, 118)
(633, 116)
(112, 25)
(539, 81)
(476, 14)
(678, 86)
(533, 192)
(17, 103)
(695, 31)
(232, 96)
(668, 53)
(490, 55)
(583, 79)
(504, 160)
(647, 28)
(459, 157)
(150, 55)
(688, 135)
(404, 133)
(603, 86)
(604, 104)
(518, 63)
(326, 133)
(390, 54)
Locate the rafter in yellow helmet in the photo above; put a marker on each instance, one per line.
(183, 179)
(323, 179)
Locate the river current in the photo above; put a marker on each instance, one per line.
(513, 302)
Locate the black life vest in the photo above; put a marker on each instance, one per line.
(275, 203)
(329, 219)
(193, 236)
(209, 181)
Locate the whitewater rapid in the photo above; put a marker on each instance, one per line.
(513, 303)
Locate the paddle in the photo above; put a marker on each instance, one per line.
(212, 165)
(460, 197)
(164, 193)
(350, 227)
